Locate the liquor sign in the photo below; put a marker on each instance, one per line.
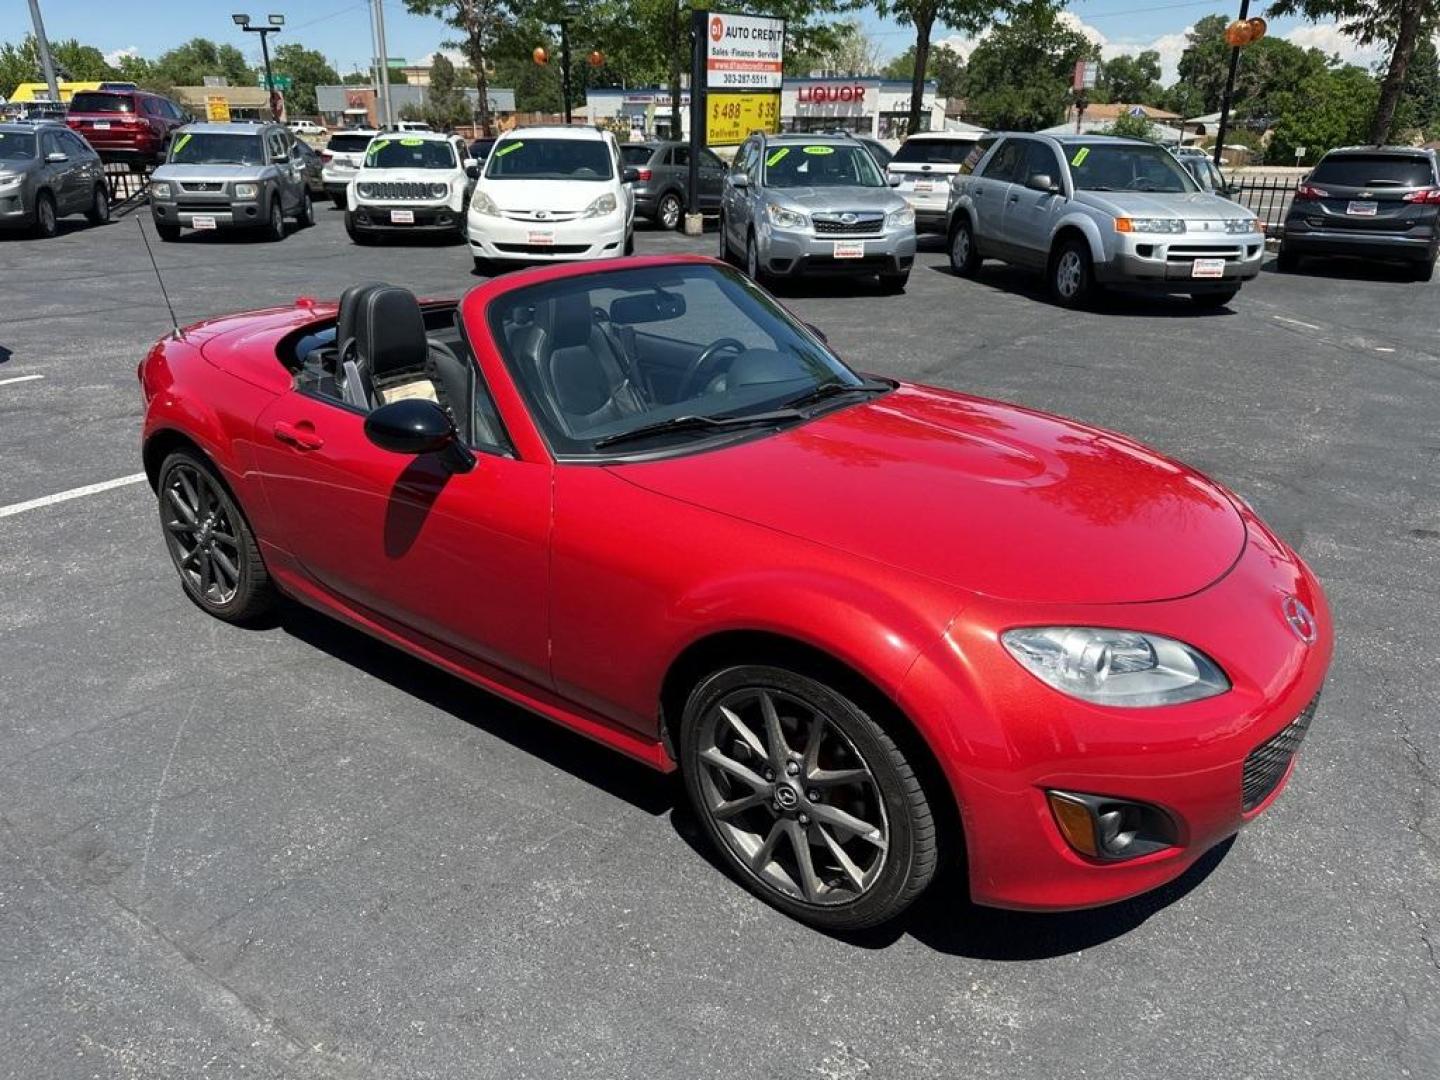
(730, 118)
(744, 52)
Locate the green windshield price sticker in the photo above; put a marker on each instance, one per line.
(412, 142)
(508, 148)
(819, 149)
(777, 156)
(377, 147)
(1080, 156)
(180, 143)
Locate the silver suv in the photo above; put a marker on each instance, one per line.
(805, 204)
(231, 176)
(46, 172)
(1094, 210)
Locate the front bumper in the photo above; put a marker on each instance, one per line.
(931, 213)
(1417, 243)
(1165, 263)
(377, 218)
(13, 211)
(226, 213)
(1004, 739)
(797, 253)
(501, 238)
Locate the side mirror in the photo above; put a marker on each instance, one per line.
(472, 168)
(56, 158)
(414, 426)
(630, 175)
(895, 181)
(1043, 182)
(739, 180)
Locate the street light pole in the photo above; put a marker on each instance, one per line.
(1229, 91)
(384, 63)
(276, 22)
(565, 65)
(42, 43)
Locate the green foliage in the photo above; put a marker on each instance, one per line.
(1419, 107)
(1204, 64)
(81, 63)
(1019, 76)
(970, 15)
(445, 102)
(188, 64)
(1331, 108)
(946, 67)
(1131, 127)
(481, 24)
(1269, 70)
(358, 78)
(1133, 80)
(307, 69)
(18, 64)
(849, 50)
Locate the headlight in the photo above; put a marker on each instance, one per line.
(1125, 668)
(439, 191)
(159, 189)
(900, 219)
(605, 204)
(246, 191)
(1242, 225)
(785, 219)
(483, 204)
(1149, 224)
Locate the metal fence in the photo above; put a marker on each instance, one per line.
(1268, 197)
(127, 187)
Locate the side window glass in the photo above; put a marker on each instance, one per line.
(1005, 164)
(74, 144)
(681, 157)
(710, 161)
(1039, 158)
(49, 144)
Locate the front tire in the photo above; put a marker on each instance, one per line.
(167, 232)
(964, 259)
(1072, 276)
(274, 230)
(210, 541)
(807, 798)
(99, 212)
(356, 234)
(894, 283)
(753, 269)
(46, 223)
(339, 201)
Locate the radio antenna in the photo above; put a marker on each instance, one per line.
(174, 322)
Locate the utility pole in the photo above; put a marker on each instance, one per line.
(1244, 31)
(276, 22)
(565, 65)
(384, 62)
(43, 44)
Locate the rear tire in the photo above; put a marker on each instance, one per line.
(838, 853)
(1072, 276)
(99, 212)
(306, 217)
(46, 223)
(1424, 269)
(668, 212)
(964, 259)
(1287, 262)
(210, 542)
(1211, 301)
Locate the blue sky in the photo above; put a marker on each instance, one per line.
(341, 28)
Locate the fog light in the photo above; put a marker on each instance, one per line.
(1110, 829)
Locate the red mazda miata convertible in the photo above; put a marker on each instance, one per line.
(874, 624)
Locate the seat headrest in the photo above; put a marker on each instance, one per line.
(571, 320)
(390, 332)
(349, 315)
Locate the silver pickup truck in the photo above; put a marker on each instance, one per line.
(1096, 210)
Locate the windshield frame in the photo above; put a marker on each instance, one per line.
(683, 444)
(184, 139)
(1070, 150)
(861, 153)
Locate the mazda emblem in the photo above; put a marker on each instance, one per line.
(1299, 619)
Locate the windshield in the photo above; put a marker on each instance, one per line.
(215, 148)
(934, 152)
(348, 144)
(16, 147)
(1374, 170)
(606, 354)
(101, 103)
(549, 159)
(821, 165)
(1111, 166)
(404, 153)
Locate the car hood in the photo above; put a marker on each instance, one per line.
(201, 171)
(839, 198)
(11, 168)
(554, 195)
(986, 497)
(1195, 205)
(406, 176)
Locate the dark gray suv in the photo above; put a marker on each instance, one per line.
(664, 167)
(46, 172)
(1377, 202)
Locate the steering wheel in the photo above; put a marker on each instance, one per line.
(692, 381)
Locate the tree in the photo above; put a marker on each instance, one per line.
(1204, 64)
(946, 67)
(1130, 127)
(445, 102)
(358, 78)
(1019, 76)
(481, 24)
(1269, 68)
(1133, 80)
(307, 69)
(1331, 108)
(968, 15)
(1398, 24)
(851, 51)
(18, 64)
(81, 63)
(188, 64)
(1419, 108)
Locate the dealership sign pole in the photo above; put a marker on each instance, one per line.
(736, 72)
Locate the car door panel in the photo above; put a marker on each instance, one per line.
(459, 557)
(1028, 213)
(991, 193)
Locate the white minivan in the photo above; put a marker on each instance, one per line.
(550, 194)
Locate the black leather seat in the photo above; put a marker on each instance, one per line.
(581, 367)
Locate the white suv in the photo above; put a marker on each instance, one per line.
(922, 169)
(410, 181)
(340, 160)
(553, 193)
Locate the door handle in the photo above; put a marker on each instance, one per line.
(1013, 198)
(300, 435)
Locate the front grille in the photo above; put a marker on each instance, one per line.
(864, 224)
(1191, 252)
(399, 189)
(543, 249)
(1266, 765)
(540, 215)
(203, 185)
(205, 206)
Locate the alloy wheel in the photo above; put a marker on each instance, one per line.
(960, 248)
(202, 535)
(724, 244)
(752, 260)
(45, 213)
(100, 211)
(670, 212)
(1068, 273)
(792, 797)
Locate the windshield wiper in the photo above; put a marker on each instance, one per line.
(697, 422)
(833, 389)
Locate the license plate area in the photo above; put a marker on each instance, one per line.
(1362, 208)
(849, 249)
(101, 125)
(1207, 268)
(402, 217)
(202, 222)
(540, 237)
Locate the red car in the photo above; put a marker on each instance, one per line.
(126, 125)
(874, 624)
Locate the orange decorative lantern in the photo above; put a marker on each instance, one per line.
(1258, 26)
(540, 56)
(596, 58)
(1237, 34)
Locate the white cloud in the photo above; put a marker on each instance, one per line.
(114, 58)
(1169, 46)
(1328, 39)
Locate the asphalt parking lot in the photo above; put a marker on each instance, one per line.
(294, 852)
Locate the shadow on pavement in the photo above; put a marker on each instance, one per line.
(1346, 268)
(1112, 300)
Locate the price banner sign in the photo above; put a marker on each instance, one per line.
(217, 108)
(744, 52)
(729, 118)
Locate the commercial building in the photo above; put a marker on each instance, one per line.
(355, 106)
(865, 105)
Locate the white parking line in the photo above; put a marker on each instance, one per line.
(73, 493)
(20, 378)
(1295, 322)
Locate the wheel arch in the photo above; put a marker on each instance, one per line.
(161, 445)
(1081, 229)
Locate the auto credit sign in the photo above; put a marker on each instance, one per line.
(744, 52)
